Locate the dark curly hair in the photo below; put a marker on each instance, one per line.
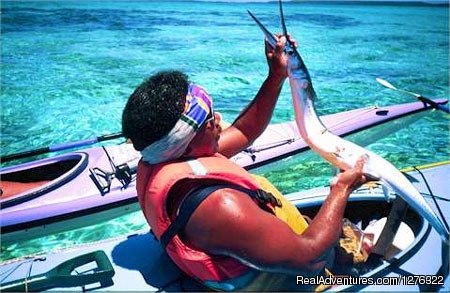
(154, 108)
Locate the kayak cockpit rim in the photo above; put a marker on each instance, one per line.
(31, 180)
(364, 209)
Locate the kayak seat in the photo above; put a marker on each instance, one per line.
(11, 188)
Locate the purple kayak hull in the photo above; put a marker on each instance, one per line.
(70, 205)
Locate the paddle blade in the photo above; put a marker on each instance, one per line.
(385, 83)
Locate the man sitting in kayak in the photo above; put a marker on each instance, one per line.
(221, 225)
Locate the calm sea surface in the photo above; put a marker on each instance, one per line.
(67, 69)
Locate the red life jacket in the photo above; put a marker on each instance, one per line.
(154, 183)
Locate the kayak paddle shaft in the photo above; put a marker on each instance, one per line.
(60, 147)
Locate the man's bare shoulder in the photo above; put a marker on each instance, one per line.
(225, 212)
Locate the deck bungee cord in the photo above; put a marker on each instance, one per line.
(32, 259)
(262, 147)
(445, 267)
(369, 109)
(441, 214)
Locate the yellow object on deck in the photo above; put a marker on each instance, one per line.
(288, 213)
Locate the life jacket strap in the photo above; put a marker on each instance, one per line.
(196, 196)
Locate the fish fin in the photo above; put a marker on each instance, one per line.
(312, 92)
(410, 177)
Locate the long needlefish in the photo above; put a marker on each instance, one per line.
(339, 152)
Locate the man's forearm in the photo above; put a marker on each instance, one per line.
(327, 224)
(256, 116)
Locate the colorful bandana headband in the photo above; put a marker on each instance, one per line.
(173, 145)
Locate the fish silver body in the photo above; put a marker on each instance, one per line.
(339, 152)
(344, 154)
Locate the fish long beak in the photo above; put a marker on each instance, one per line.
(283, 22)
(271, 39)
(291, 49)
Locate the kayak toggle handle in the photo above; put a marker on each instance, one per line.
(65, 275)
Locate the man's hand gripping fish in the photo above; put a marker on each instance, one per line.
(339, 152)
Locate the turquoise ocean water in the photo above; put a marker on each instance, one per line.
(67, 69)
